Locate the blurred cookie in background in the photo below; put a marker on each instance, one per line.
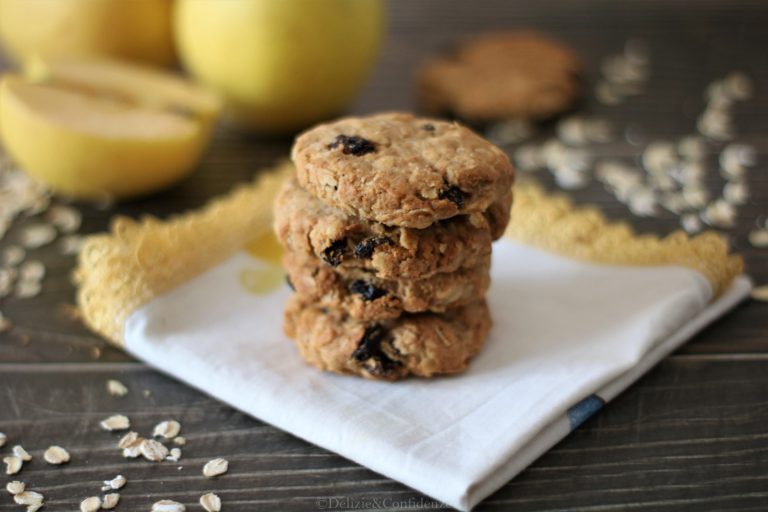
(503, 75)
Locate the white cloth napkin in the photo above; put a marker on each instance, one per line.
(567, 337)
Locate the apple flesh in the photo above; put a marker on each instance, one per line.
(91, 129)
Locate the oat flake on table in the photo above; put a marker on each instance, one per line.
(15, 487)
(174, 455)
(210, 502)
(167, 429)
(91, 504)
(116, 388)
(153, 450)
(110, 501)
(168, 506)
(130, 439)
(116, 422)
(215, 467)
(28, 498)
(116, 483)
(21, 453)
(12, 465)
(56, 455)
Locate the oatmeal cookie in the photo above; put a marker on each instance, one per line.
(368, 297)
(522, 75)
(400, 170)
(423, 345)
(306, 225)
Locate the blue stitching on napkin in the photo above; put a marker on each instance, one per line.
(582, 411)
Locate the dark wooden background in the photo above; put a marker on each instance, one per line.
(691, 435)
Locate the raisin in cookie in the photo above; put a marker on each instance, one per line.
(401, 170)
(501, 76)
(306, 225)
(423, 345)
(366, 296)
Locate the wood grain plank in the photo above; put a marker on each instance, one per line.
(690, 434)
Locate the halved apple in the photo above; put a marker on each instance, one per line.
(92, 129)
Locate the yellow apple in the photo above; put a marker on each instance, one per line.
(138, 30)
(280, 65)
(92, 129)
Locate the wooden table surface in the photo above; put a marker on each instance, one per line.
(690, 435)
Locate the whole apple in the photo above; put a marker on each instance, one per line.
(280, 65)
(138, 30)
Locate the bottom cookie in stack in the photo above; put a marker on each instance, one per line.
(421, 344)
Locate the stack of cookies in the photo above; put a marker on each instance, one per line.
(387, 228)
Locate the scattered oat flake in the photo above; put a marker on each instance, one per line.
(153, 450)
(91, 504)
(736, 192)
(607, 94)
(509, 132)
(116, 388)
(13, 255)
(174, 456)
(215, 467)
(110, 501)
(21, 453)
(659, 157)
(37, 235)
(15, 487)
(31, 271)
(12, 465)
(168, 506)
(720, 214)
(116, 422)
(715, 124)
(3, 437)
(116, 483)
(39, 205)
(28, 498)
(130, 439)
(692, 147)
(529, 158)
(180, 440)
(7, 277)
(28, 289)
(66, 218)
(738, 85)
(167, 429)
(738, 154)
(691, 223)
(56, 455)
(71, 244)
(760, 293)
(759, 238)
(642, 202)
(695, 196)
(132, 452)
(210, 502)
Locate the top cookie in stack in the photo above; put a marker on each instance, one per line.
(388, 229)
